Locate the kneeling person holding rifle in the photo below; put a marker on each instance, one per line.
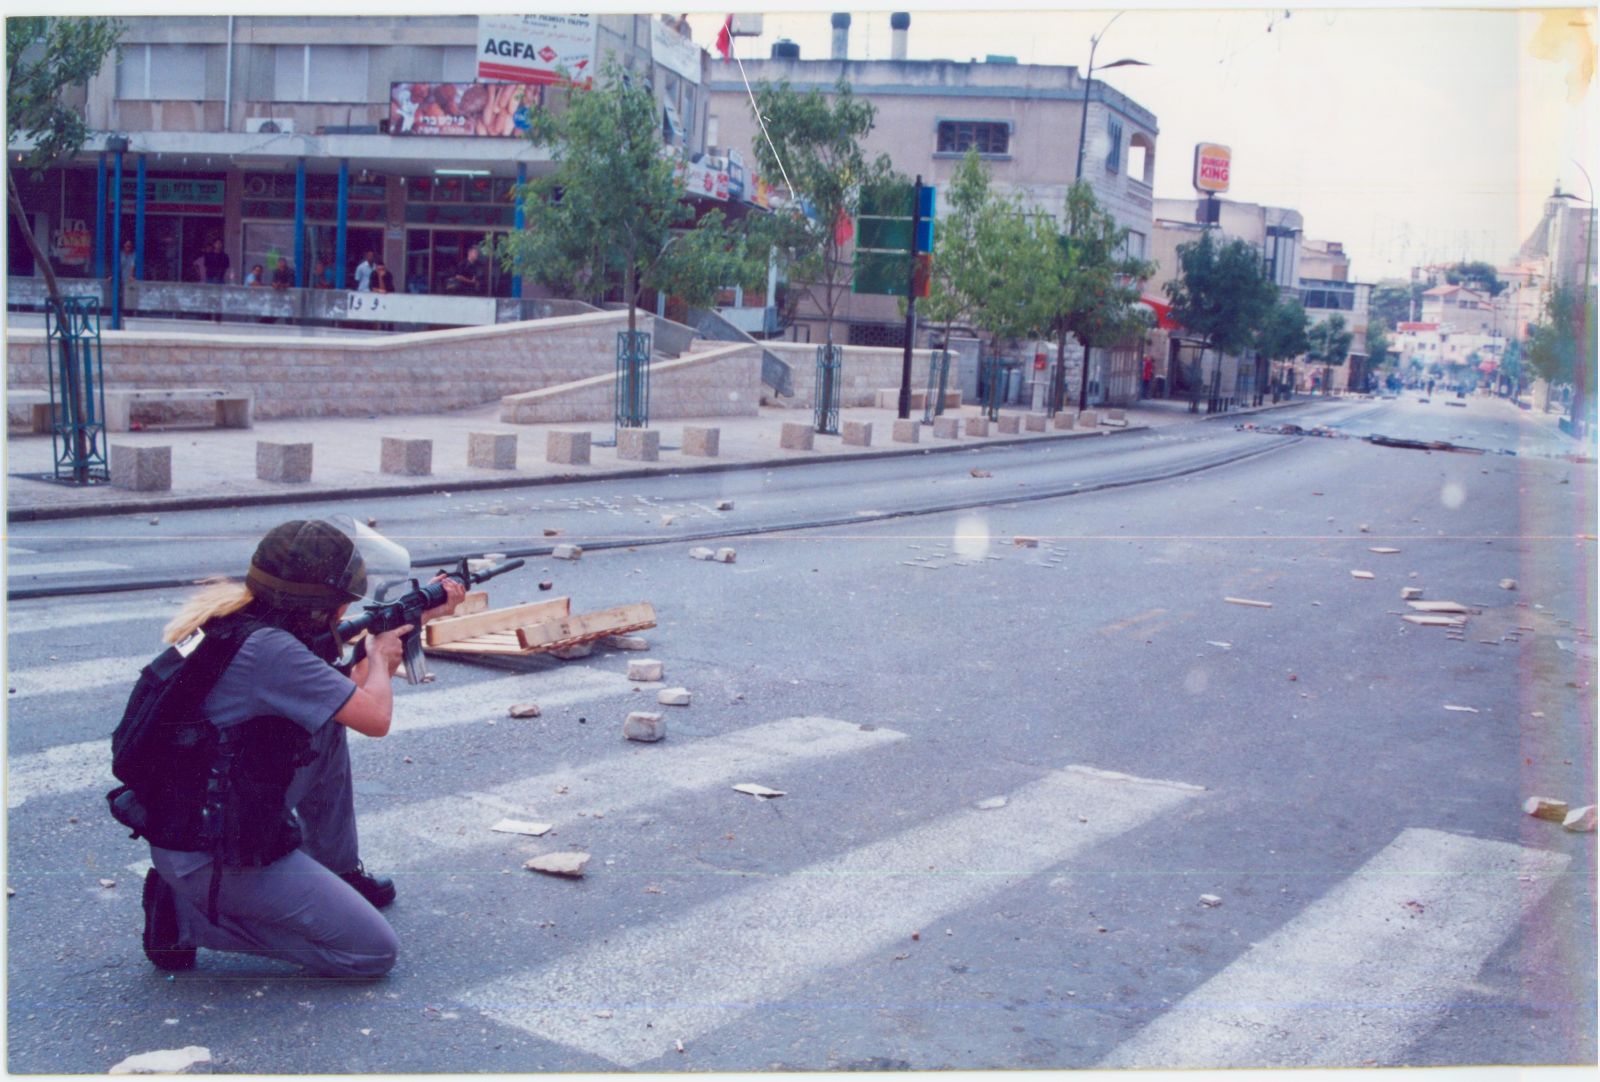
(234, 757)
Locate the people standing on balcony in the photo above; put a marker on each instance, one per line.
(283, 276)
(468, 277)
(323, 278)
(364, 273)
(382, 280)
(129, 262)
(254, 278)
(214, 265)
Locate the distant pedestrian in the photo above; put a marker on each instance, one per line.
(1148, 374)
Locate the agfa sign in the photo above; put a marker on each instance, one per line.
(1212, 163)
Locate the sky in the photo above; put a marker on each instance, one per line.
(1410, 134)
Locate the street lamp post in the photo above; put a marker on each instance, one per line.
(1088, 86)
(1581, 390)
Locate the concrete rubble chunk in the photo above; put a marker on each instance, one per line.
(1022, 541)
(724, 505)
(990, 803)
(1580, 820)
(1362, 575)
(1210, 900)
(725, 556)
(574, 652)
(1544, 807)
(644, 727)
(522, 826)
(673, 696)
(700, 552)
(1508, 584)
(1410, 593)
(188, 1060)
(570, 865)
(645, 669)
(754, 789)
(627, 642)
(1383, 550)
(567, 552)
(524, 710)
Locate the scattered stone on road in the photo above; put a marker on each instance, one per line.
(644, 727)
(570, 865)
(1210, 900)
(645, 670)
(1362, 575)
(725, 556)
(1580, 820)
(1023, 542)
(190, 1060)
(724, 505)
(1508, 584)
(521, 826)
(757, 790)
(673, 696)
(627, 642)
(524, 710)
(990, 803)
(1410, 593)
(700, 552)
(1544, 807)
(567, 552)
(1248, 602)
(1461, 709)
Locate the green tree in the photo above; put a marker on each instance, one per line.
(612, 213)
(1478, 276)
(816, 144)
(1329, 345)
(1390, 303)
(1282, 333)
(1561, 346)
(44, 57)
(1093, 287)
(1377, 346)
(1221, 296)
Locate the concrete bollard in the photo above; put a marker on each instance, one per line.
(907, 431)
(142, 469)
(796, 437)
(566, 447)
(492, 450)
(977, 426)
(644, 726)
(1010, 424)
(639, 444)
(406, 457)
(857, 433)
(701, 442)
(1063, 420)
(947, 428)
(1088, 419)
(286, 462)
(1034, 422)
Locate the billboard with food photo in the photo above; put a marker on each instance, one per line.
(493, 109)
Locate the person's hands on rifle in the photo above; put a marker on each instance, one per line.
(370, 707)
(454, 593)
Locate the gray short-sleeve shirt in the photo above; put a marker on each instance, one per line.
(274, 674)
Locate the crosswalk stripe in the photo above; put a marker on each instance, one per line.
(65, 567)
(57, 615)
(69, 768)
(459, 822)
(76, 676)
(733, 955)
(1364, 970)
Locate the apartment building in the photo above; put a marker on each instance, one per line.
(305, 142)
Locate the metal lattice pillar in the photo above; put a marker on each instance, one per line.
(938, 380)
(632, 399)
(77, 397)
(830, 361)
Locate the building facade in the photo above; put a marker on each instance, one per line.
(305, 142)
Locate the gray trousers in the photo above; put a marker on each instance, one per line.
(295, 909)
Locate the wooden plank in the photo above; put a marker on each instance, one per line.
(472, 646)
(1438, 606)
(555, 634)
(1434, 621)
(455, 628)
(1249, 602)
(475, 601)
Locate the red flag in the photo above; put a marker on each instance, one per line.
(725, 38)
(843, 229)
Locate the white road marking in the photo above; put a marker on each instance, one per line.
(682, 979)
(18, 550)
(65, 567)
(71, 767)
(409, 834)
(71, 677)
(59, 614)
(1364, 970)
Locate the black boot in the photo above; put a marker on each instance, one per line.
(161, 941)
(376, 889)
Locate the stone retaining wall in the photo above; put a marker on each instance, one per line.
(865, 371)
(723, 381)
(424, 372)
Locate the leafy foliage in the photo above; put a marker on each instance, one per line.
(612, 213)
(1479, 276)
(1377, 345)
(1564, 338)
(1282, 334)
(816, 144)
(1391, 302)
(1223, 292)
(45, 56)
(1094, 284)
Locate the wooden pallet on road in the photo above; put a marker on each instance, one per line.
(534, 628)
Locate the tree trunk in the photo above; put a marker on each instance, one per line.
(1083, 378)
(71, 389)
(1058, 393)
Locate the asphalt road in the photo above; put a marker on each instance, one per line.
(1381, 898)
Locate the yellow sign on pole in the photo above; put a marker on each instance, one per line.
(1212, 163)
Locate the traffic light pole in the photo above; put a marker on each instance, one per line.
(911, 301)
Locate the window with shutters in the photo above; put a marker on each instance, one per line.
(162, 73)
(987, 137)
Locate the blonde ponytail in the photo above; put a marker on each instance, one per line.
(217, 597)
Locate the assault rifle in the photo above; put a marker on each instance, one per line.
(380, 616)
